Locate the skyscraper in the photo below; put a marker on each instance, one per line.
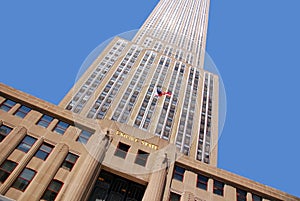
(141, 124)
(167, 54)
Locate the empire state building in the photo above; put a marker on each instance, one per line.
(166, 54)
(141, 124)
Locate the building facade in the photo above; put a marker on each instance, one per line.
(113, 137)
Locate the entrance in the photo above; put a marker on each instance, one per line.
(110, 187)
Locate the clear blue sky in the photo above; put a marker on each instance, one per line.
(255, 45)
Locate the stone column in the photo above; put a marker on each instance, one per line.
(45, 175)
(86, 175)
(229, 192)
(156, 185)
(10, 142)
(157, 182)
(210, 186)
(249, 196)
(23, 163)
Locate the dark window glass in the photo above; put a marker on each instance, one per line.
(44, 151)
(84, 136)
(52, 190)
(45, 121)
(4, 131)
(174, 197)
(141, 158)
(122, 150)
(256, 197)
(22, 111)
(241, 195)
(218, 188)
(178, 173)
(6, 169)
(202, 182)
(7, 105)
(61, 127)
(24, 179)
(69, 161)
(26, 144)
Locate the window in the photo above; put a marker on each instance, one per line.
(218, 188)
(22, 111)
(141, 158)
(45, 121)
(174, 197)
(61, 127)
(241, 195)
(26, 144)
(84, 136)
(24, 179)
(256, 197)
(7, 105)
(6, 169)
(44, 151)
(122, 150)
(178, 173)
(202, 182)
(69, 161)
(52, 190)
(4, 131)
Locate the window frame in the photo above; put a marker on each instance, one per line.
(83, 138)
(239, 196)
(22, 111)
(175, 196)
(7, 106)
(59, 129)
(120, 152)
(255, 197)
(7, 171)
(202, 181)
(2, 134)
(141, 158)
(19, 147)
(218, 188)
(66, 161)
(14, 185)
(48, 189)
(44, 151)
(43, 122)
(177, 173)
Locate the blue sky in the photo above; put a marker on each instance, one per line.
(255, 45)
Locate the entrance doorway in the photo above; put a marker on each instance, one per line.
(110, 187)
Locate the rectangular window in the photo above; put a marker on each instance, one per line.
(24, 179)
(44, 151)
(22, 111)
(52, 190)
(84, 136)
(69, 161)
(218, 188)
(4, 131)
(26, 144)
(178, 173)
(241, 195)
(122, 150)
(141, 158)
(202, 182)
(61, 127)
(256, 197)
(174, 197)
(7, 105)
(45, 121)
(6, 169)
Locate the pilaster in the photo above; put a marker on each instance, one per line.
(23, 163)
